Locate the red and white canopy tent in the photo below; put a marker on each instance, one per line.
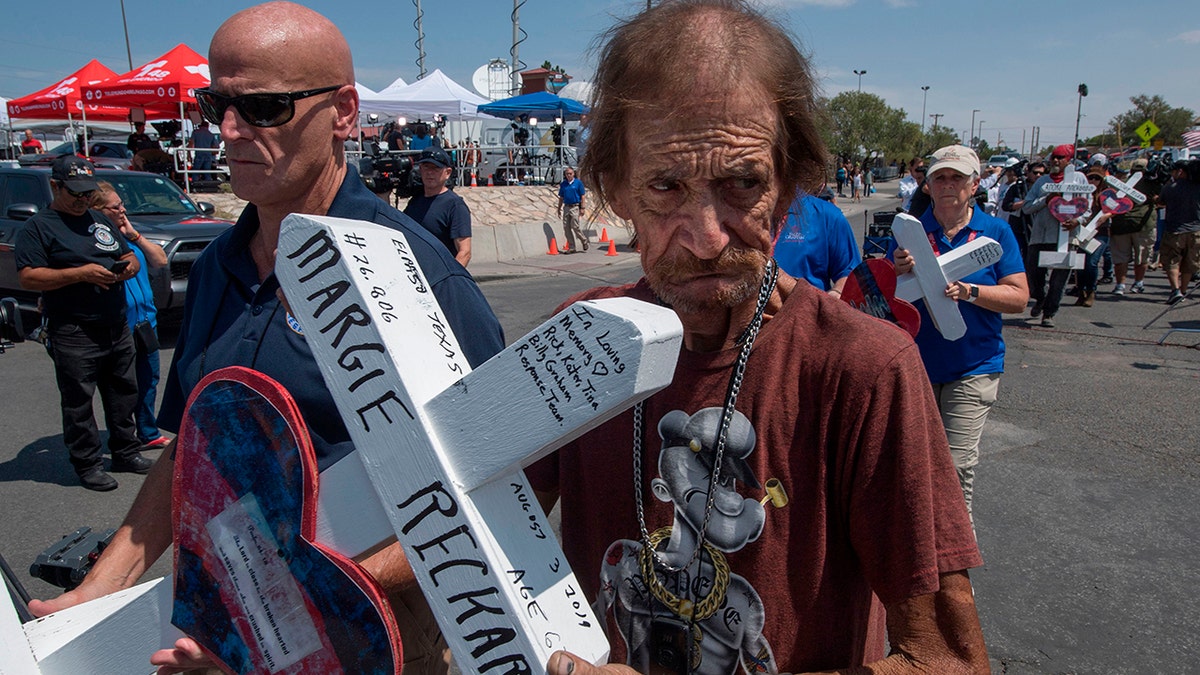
(163, 84)
(63, 99)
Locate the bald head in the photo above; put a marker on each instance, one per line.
(300, 47)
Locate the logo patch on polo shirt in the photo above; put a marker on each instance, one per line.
(105, 241)
(294, 324)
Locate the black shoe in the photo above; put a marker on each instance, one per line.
(1047, 322)
(1037, 310)
(135, 463)
(585, 244)
(1106, 280)
(98, 480)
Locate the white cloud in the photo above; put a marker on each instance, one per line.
(1192, 36)
(898, 4)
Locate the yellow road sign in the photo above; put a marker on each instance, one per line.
(1147, 131)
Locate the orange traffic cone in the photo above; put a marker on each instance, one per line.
(612, 248)
(603, 234)
(553, 247)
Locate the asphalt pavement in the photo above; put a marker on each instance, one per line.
(1085, 496)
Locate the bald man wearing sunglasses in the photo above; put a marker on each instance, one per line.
(283, 95)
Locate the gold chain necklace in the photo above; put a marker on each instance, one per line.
(682, 607)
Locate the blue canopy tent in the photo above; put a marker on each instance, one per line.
(539, 104)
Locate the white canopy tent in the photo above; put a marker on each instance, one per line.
(432, 95)
(392, 88)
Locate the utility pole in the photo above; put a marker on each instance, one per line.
(972, 136)
(924, 98)
(936, 117)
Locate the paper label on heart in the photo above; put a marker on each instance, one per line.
(1064, 209)
(1111, 202)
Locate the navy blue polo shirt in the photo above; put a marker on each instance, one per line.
(981, 350)
(230, 319)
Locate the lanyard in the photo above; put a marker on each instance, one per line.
(933, 242)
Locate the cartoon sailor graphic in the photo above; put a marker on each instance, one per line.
(678, 610)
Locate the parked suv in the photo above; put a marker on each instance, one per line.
(158, 209)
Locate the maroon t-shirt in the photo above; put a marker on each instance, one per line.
(843, 417)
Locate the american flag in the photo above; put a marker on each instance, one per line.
(1191, 139)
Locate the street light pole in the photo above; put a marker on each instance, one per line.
(860, 73)
(924, 98)
(980, 132)
(1083, 91)
(125, 25)
(971, 138)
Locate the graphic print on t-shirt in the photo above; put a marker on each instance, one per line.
(105, 241)
(657, 612)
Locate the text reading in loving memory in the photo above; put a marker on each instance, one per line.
(567, 360)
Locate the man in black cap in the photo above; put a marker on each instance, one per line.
(80, 261)
(438, 209)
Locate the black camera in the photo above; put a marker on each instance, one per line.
(520, 134)
(11, 329)
(387, 172)
(66, 563)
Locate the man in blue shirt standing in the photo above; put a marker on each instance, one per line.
(570, 207)
(965, 373)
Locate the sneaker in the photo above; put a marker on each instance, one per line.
(1176, 296)
(160, 442)
(1047, 322)
(134, 463)
(1138, 287)
(1119, 289)
(1037, 310)
(1106, 280)
(585, 244)
(98, 480)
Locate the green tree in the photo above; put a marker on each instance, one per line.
(1172, 122)
(938, 138)
(857, 124)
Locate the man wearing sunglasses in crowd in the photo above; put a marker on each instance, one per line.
(1014, 199)
(79, 261)
(283, 94)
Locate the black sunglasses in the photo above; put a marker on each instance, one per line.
(259, 110)
(1058, 156)
(77, 195)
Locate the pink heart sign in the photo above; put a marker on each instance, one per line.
(1112, 202)
(1068, 208)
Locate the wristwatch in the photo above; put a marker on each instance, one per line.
(973, 295)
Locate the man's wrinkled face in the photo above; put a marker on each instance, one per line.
(703, 193)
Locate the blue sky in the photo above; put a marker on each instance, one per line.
(1018, 62)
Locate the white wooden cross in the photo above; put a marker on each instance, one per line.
(1087, 235)
(931, 273)
(1063, 257)
(439, 452)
